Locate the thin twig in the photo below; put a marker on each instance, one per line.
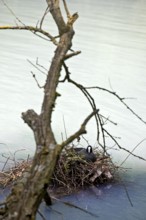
(64, 127)
(38, 64)
(66, 9)
(76, 207)
(37, 67)
(41, 87)
(67, 56)
(41, 214)
(92, 103)
(107, 119)
(81, 131)
(32, 29)
(118, 97)
(132, 151)
(12, 12)
(43, 17)
(122, 148)
(14, 158)
(5, 163)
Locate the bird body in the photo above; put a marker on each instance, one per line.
(86, 153)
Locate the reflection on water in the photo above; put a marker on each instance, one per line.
(112, 38)
(106, 202)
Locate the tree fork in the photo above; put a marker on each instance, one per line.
(27, 193)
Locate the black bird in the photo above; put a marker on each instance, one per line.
(87, 153)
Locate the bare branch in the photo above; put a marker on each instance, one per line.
(72, 19)
(34, 30)
(92, 103)
(122, 148)
(37, 67)
(66, 9)
(12, 12)
(57, 16)
(132, 151)
(5, 163)
(33, 75)
(38, 64)
(44, 15)
(81, 131)
(107, 119)
(118, 97)
(72, 54)
(99, 122)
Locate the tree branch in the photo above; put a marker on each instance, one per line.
(81, 131)
(118, 97)
(122, 148)
(34, 30)
(66, 9)
(67, 56)
(57, 16)
(33, 120)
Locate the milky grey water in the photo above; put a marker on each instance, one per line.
(112, 37)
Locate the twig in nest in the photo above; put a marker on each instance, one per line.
(72, 172)
(5, 163)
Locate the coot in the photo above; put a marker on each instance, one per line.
(86, 153)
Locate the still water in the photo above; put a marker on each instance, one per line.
(112, 37)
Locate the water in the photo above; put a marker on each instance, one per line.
(112, 37)
(106, 202)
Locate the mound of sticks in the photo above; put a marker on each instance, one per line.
(71, 174)
(12, 174)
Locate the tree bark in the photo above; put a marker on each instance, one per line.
(27, 194)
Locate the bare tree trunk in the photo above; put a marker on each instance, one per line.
(27, 194)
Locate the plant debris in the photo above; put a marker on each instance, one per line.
(71, 174)
(9, 176)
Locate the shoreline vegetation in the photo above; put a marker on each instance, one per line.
(72, 172)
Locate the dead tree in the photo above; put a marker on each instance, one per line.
(27, 194)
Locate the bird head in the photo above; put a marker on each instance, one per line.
(89, 149)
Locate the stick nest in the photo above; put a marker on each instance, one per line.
(11, 175)
(72, 172)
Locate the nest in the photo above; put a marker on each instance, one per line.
(73, 173)
(8, 177)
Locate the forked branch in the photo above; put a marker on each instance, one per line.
(99, 118)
